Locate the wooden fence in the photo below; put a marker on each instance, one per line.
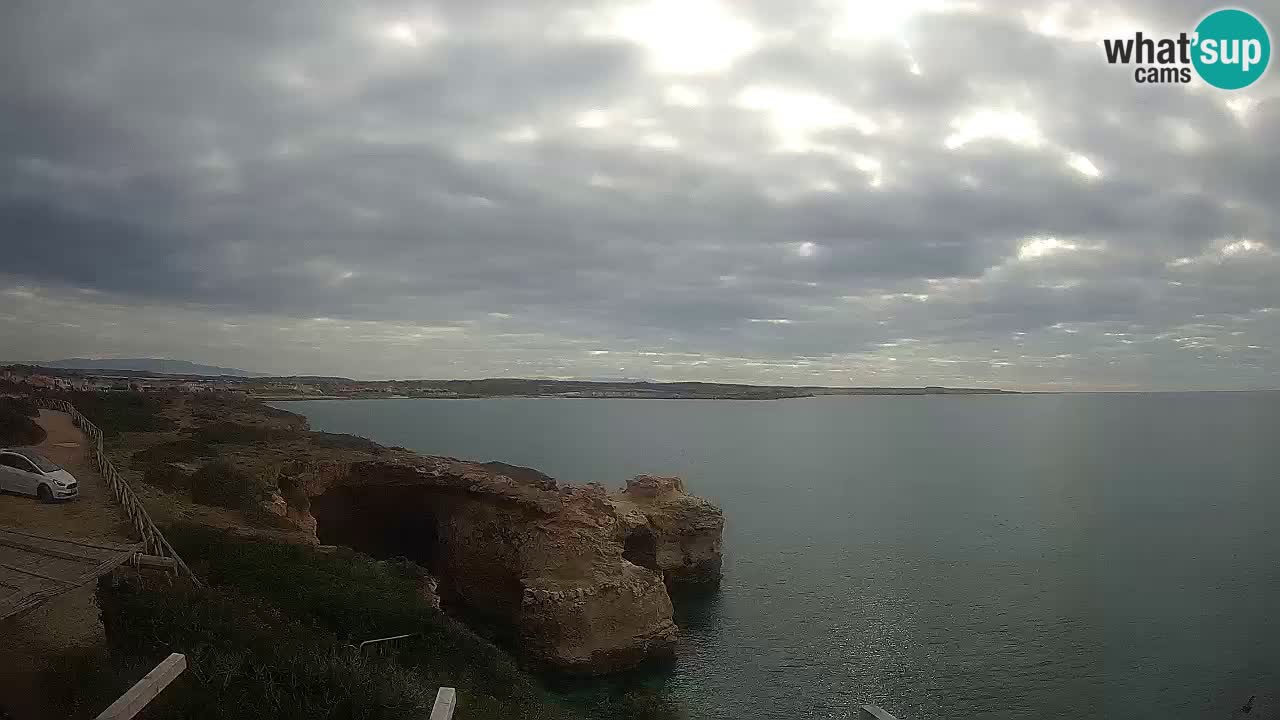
(154, 541)
(133, 701)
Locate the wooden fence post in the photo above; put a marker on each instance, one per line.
(446, 699)
(132, 702)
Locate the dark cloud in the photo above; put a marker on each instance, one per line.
(540, 188)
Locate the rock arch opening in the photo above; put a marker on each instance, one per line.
(386, 522)
(641, 547)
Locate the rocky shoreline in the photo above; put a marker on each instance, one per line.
(580, 575)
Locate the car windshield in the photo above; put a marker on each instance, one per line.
(39, 460)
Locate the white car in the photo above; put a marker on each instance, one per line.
(30, 473)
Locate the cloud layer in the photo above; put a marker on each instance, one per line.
(841, 193)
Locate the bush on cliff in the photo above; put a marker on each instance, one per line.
(168, 475)
(268, 637)
(228, 485)
(238, 433)
(118, 412)
(20, 405)
(184, 450)
(356, 598)
(247, 659)
(231, 433)
(342, 441)
(16, 428)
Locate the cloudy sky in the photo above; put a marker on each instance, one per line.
(825, 192)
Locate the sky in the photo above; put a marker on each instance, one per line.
(827, 192)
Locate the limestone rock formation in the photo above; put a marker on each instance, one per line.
(670, 531)
(555, 563)
(579, 575)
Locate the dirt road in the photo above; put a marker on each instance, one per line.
(69, 622)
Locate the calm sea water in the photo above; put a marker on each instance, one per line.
(1051, 556)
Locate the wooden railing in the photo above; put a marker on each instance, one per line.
(152, 538)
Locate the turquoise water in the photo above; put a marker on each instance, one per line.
(1041, 556)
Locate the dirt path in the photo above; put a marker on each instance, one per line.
(94, 515)
(70, 622)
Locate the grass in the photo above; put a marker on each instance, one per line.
(267, 638)
(247, 659)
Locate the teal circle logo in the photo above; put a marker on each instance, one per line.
(1231, 49)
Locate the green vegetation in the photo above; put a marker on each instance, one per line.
(232, 433)
(16, 424)
(167, 475)
(215, 407)
(184, 450)
(340, 441)
(239, 434)
(20, 405)
(118, 412)
(268, 638)
(225, 484)
(220, 481)
(269, 635)
(18, 429)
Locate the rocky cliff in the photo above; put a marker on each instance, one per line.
(577, 573)
(669, 531)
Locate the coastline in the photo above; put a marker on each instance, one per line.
(894, 392)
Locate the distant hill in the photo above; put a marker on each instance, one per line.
(150, 365)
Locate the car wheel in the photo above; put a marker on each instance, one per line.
(44, 493)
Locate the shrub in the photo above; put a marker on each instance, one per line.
(216, 406)
(356, 598)
(228, 485)
(17, 428)
(183, 450)
(246, 659)
(238, 434)
(341, 441)
(268, 637)
(20, 405)
(117, 412)
(167, 475)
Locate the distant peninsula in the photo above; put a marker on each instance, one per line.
(310, 387)
(303, 388)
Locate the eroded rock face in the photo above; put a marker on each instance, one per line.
(555, 563)
(674, 533)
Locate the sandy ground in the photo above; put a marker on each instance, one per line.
(95, 514)
(71, 621)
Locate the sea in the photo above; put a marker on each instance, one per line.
(944, 557)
